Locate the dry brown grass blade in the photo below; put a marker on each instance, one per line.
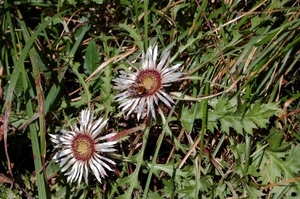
(113, 59)
(280, 183)
(1, 127)
(5, 128)
(1, 89)
(127, 132)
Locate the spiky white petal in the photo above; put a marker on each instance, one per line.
(97, 163)
(168, 75)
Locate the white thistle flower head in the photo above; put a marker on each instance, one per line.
(82, 150)
(142, 89)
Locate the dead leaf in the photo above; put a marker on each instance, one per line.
(1, 127)
(5, 179)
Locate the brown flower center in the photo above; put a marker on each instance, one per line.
(148, 82)
(83, 147)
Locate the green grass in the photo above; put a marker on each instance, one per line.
(233, 131)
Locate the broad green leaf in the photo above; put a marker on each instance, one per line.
(252, 192)
(169, 168)
(91, 61)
